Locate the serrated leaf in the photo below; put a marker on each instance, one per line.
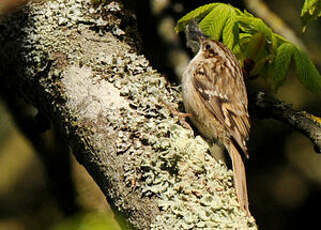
(244, 36)
(230, 34)
(196, 14)
(307, 73)
(212, 25)
(311, 10)
(253, 25)
(279, 67)
(274, 43)
(253, 46)
(248, 14)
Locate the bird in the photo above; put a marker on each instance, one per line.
(214, 94)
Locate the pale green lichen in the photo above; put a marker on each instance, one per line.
(201, 194)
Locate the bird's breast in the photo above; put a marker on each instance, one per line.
(201, 117)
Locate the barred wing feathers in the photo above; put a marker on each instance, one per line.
(223, 92)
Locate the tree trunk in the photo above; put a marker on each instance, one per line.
(78, 65)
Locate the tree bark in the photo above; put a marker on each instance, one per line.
(78, 64)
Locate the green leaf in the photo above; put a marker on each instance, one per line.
(253, 25)
(307, 73)
(278, 69)
(253, 46)
(212, 25)
(248, 14)
(238, 50)
(274, 43)
(311, 10)
(230, 35)
(196, 14)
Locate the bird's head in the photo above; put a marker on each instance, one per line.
(198, 41)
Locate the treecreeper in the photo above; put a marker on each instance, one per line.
(214, 94)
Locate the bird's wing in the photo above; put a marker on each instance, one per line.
(224, 94)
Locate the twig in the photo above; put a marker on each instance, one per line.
(265, 106)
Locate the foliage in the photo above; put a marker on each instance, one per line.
(251, 39)
(311, 10)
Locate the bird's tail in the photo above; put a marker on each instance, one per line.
(239, 176)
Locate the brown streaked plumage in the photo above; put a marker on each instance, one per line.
(214, 93)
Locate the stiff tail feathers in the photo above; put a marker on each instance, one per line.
(239, 176)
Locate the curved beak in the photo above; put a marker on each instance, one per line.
(194, 36)
(193, 32)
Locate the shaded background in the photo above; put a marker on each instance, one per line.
(284, 173)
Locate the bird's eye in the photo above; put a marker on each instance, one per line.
(207, 46)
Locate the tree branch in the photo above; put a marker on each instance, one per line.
(78, 64)
(265, 106)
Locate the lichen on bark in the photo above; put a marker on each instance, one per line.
(78, 64)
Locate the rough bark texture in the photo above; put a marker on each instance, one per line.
(78, 65)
